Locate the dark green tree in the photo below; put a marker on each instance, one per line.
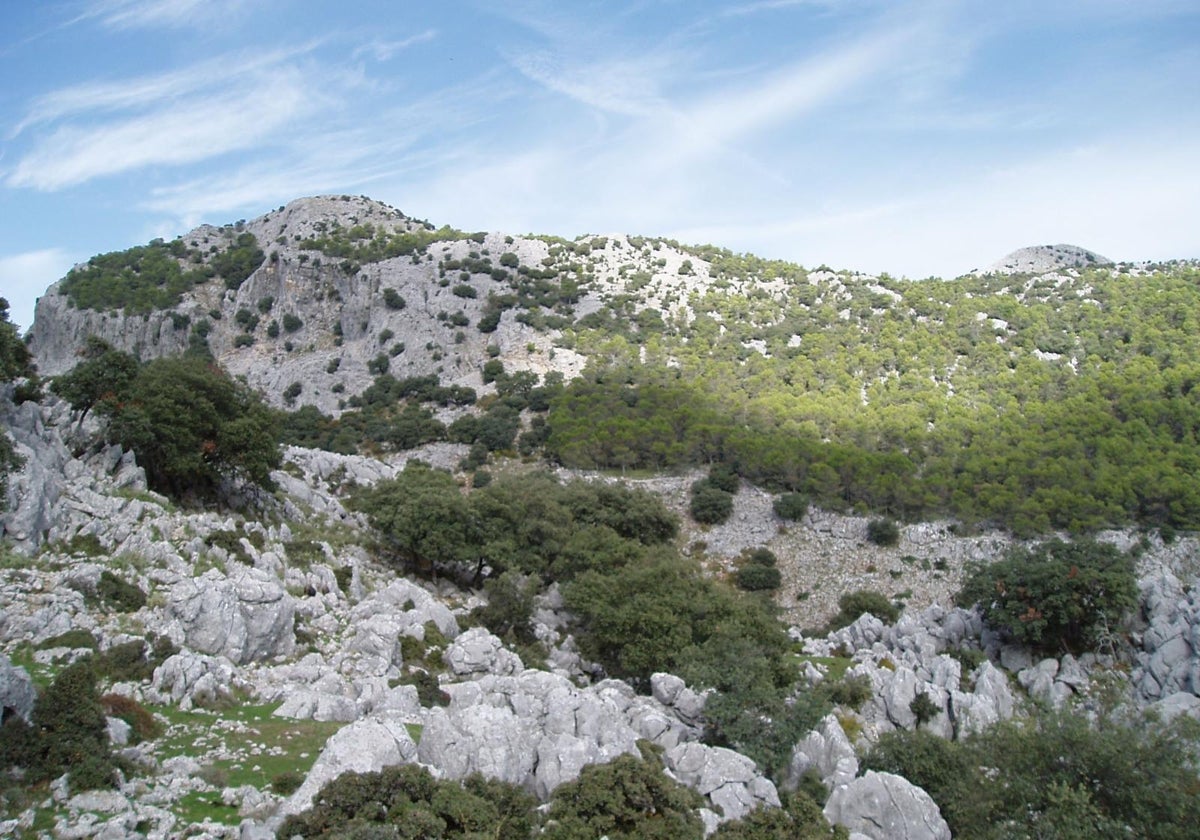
(105, 374)
(627, 799)
(1056, 595)
(191, 426)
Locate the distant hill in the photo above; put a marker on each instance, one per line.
(1055, 391)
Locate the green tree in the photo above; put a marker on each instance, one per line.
(627, 799)
(15, 361)
(191, 426)
(1055, 595)
(424, 517)
(800, 818)
(105, 374)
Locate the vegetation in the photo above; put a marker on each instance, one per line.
(156, 276)
(1055, 596)
(995, 399)
(852, 605)
(68, 734)
(15, 361)
(1055, 775)
(189, 423)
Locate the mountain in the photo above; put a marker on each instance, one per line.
(645, 535)
(1041, 259)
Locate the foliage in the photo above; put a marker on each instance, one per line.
(141, 279)
(1056, 775)
(753, 577)
(406, 801)
(509, 609)
(15, 359)
(105, 374)
(800, 818)
(1055, 595)
(854, 604)
(119, 594)
(191, 425)
(883, 532)
(626, 799)
(393, 299)
(68, 734)
(710, 505)
(238, 261)
(792, 506)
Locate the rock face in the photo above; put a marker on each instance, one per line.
(244, 618)
(1169, 661)
(17, 693)
(883, 806)
(1042, 258)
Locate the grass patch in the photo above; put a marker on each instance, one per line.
(263, 748)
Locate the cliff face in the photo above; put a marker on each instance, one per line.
(335, 318)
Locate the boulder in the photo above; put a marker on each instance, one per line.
(883, 806)
(478, 652)
(245, 618)
(190, 679)
(728, 780)
(827, 751)
(364, 747)
(17, 693)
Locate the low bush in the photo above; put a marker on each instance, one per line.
(854, 604)
(883, 532)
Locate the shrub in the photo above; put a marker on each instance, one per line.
(393, 300)
(1055, 595)
(883, 532)
(791, 506)
(119, 594)
(141, 723)
(291, 322)
(754, 578)
(710, 505)
(243, 340)
(854, 604)
(464, 290)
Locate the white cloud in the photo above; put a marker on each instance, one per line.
(144, 91)
(140, 14)
(385, 50)
(174, 134)
(24, 277)
(620, 86)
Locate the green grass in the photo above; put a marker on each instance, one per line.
(263, 746)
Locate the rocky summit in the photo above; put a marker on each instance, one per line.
(593, 537)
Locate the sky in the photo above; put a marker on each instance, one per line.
(914, 137)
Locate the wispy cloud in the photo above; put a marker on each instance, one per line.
(145, 91)
(141, 14)
(619, 86)
(176, 134)
(385, 50)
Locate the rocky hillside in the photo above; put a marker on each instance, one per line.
(273, 640)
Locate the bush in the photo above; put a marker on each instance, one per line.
(883, 532)
(710, 505)
(791, 506)
(854, 604)
(393, 300)
(755, 578)
(119, 594)
(191, 426)
(1054, 596)
(626, 799)
(291, 322)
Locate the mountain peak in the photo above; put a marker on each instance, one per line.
(1039, 259)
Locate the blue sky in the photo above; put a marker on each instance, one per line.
(918, 137)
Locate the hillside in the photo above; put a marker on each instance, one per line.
(1054, 393)
(612, 537)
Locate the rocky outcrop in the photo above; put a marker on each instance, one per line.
(883, 806)
(189, 679)
(1169, 660)
(17, 693)
(246, 617)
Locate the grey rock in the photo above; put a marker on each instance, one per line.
(17, 693)
(480, 738)
(727, 779)
(364, 746)
(118, 731)
(315, 705)
(190, 679)
(245, 618)
(883, 806)
(478, 652)
(826, 750)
